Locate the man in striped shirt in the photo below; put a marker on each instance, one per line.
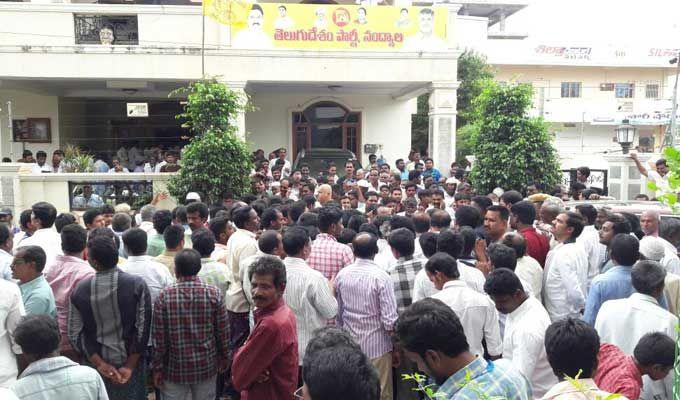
(367, 307)
(308, 293)
(328, 256)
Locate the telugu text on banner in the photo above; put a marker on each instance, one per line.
(322, 26)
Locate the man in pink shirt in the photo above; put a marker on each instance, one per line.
(63, 275)
(329, 256)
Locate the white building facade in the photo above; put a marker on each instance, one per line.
(49, 72)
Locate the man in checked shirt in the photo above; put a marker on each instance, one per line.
(191, 334)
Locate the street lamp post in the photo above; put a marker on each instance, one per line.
(625, 135)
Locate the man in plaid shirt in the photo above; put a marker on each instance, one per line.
(402, 242)
(191, 334)
(329, 256)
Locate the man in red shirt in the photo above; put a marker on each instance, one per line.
(522, 216)
(266, 366)
(619, 373)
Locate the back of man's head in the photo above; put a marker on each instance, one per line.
(399, 221)
(73, 239)
(502, 256)
(102, 251)
(516, 242)
(440, 219)
(294, 240)
(335, 368)
(328, 216)
(421, 221)
(187, 262)
(135, 241)
(428, 243)
(203, 241)
(147, 212)
(365, 245)
(62, 220)
(450, 243)
(38, 336)
(403, 241)
(524, 211)
(511, 197)
(161, 220)
(625, 249)
(431, 325)
(468, 216)
(45, 212)
(121, 222)
(572, 347)
(647, 277)
(173, 236)
(443, 263)
(589, 213)
(656, 351)
(269, 241)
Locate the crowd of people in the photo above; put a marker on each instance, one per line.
(387, 282)
(128, 158)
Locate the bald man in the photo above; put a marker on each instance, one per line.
(649, 222)
(325, 194)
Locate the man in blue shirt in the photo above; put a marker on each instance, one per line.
(27, 268)
(430, 170)
(432, 336)
(615, 283)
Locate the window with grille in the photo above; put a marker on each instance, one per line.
(624, 90)
(652, 91)
(123, 29)
(571, 89)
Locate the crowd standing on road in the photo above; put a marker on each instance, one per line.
(362, 284)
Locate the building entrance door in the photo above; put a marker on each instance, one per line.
(326, 125)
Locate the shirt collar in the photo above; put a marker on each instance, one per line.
(566, 387)
(523, 308)
(261, 312)
(326, 236)
(137, 258)
(38, 281)
(455, 382)
(207, 260)
(188, 279)
(168, 253)
(246, 232)
(405, 258)
(454, 284)
(644, 297)
(294, 262)
(47, 365)
(67, 258)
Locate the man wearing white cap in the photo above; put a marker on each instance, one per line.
(450, 190)
(652, 248)
(193, 197)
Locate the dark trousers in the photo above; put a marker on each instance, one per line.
(239, 329)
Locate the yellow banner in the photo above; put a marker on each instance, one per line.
(317, 26)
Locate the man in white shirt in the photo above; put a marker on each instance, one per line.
(452, 244)
(43, 215)
(41, 165)
(525, 328)
(565, 278)
(286, 169)
(590, 240)
(659, 177)
(241, 245)
(212, 272)
(308, 293)
(11, 311)
(649, 223)
(623, 322)
(422, 285)
(476, 311)
(527, 269)
(155, 274)
(6, 243)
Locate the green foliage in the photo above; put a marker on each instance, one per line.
(421, 380)
(466, 137)
(472, 72)
(512, 149)
(216, 160)
(420, 125)
(668, 195)
(76, 160)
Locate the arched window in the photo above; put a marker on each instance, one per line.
(327, 125)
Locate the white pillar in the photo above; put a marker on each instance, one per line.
(624, 181)
(240, 120)
(442, 127)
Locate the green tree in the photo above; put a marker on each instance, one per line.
(215, 161)
(473, 71)
(511, 148)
